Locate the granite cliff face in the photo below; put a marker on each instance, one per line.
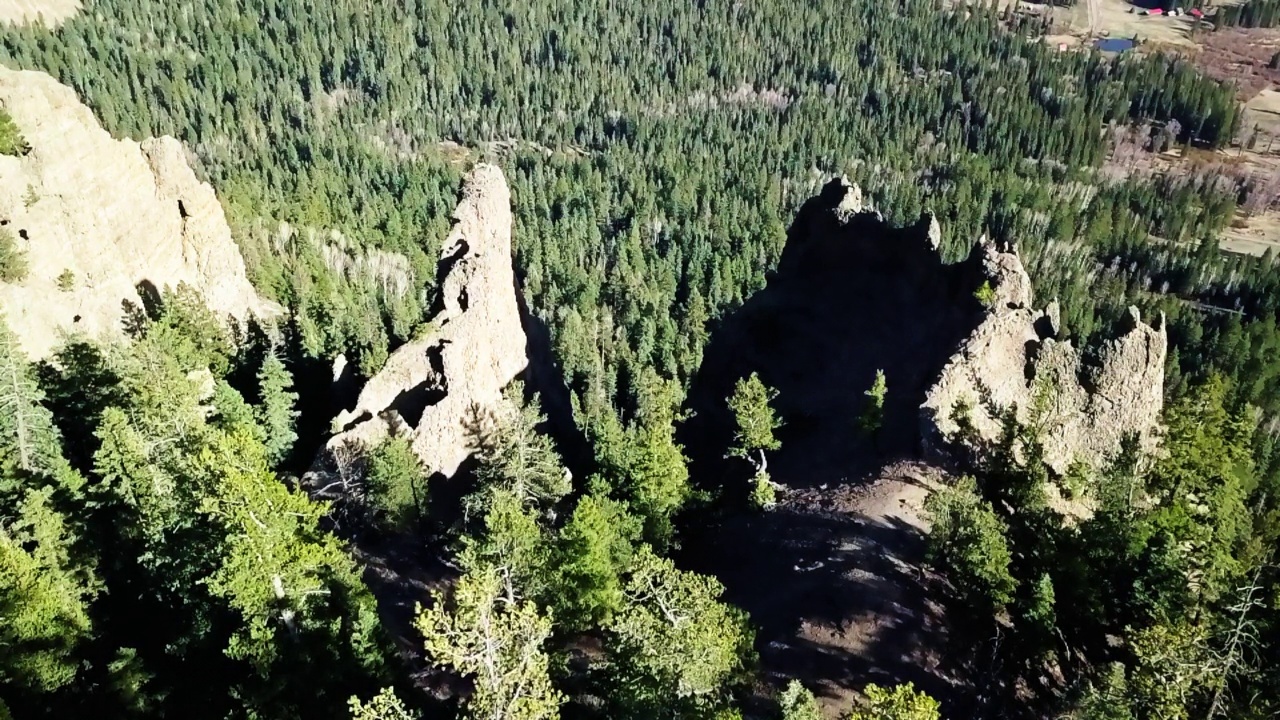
(104, 215)
(1015, 359)
(433, 387)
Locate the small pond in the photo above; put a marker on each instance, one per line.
(1115, 44)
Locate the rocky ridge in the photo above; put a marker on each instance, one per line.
(433, 388)
(98, 217)
(44, 12)
(1016, 359)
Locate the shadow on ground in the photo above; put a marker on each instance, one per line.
(833, 576)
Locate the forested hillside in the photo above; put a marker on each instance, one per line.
(157, 559)
(681, 138)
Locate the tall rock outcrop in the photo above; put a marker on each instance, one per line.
(106, 215)
(1015, 359)
(433, 387)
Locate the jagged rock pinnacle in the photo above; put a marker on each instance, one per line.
(432, 387)
(1014, 360)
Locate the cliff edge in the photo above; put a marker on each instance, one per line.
(50, 13)
(97, 217)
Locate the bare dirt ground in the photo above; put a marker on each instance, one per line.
(53, 12)
(1262, 112)
(864, 560)
(1254, 236)
(834, 578)
(1112, 18)
(1240, 56)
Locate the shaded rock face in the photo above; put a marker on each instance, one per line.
(434, 387)
(113, 214)
(851, 295)
(1014, 359)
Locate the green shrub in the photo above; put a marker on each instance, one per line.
(67, 281)
(763, 495)
(13, 259)
(986, 294)
(11, 140)
(396, 483)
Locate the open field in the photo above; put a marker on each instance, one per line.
(53, 12)
(1237, 55)
(1119, 18)
(1240, 56)
(1256, 235)
(1262, 113)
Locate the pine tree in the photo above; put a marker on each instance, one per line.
(901, 702)
(277, 412)
(28, 438)
(967, 538)
(44, 614)
(674, 638)
(873, 414)
(593, 553)
(11, 140)
(645, 462)
(290, 581)
(396, 482)
(513, 456)
(755, 419)
(384, 706)
(512, 544)
(496, 643)
(798, 703)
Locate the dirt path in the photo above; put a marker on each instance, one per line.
(833, 578)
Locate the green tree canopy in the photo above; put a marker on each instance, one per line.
(674, 638)
(755, 419)
(593, 553)
(498, 644)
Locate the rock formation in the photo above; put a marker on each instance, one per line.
(1015, 359)
(104, 216)
(853, 295)
(432, 387)
(46, 12)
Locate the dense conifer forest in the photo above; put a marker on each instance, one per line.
(657, 152)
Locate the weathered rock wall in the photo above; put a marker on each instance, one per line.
(432, 387)
(50, 13)
(110, 213)
(1015, 359)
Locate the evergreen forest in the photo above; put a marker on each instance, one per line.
(159, 557)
